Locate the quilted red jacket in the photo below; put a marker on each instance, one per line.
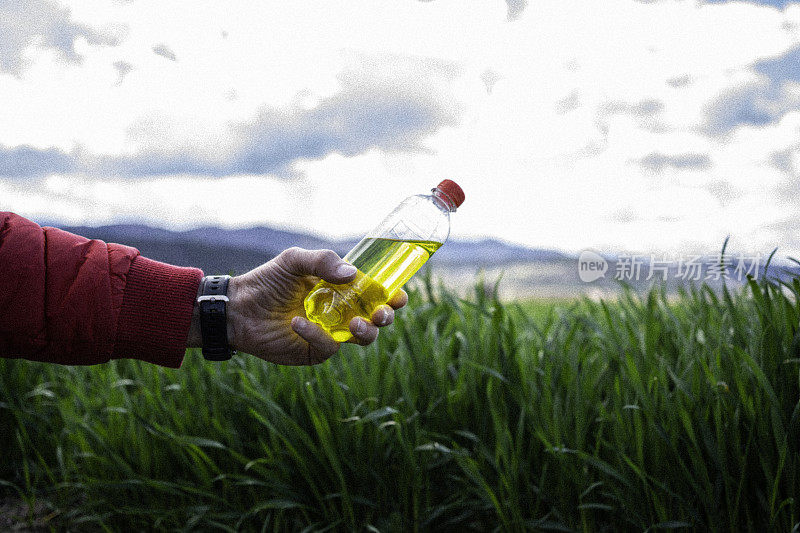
(70, 300)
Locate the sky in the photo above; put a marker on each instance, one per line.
(621, 126)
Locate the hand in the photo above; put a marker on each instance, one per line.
(266, 317)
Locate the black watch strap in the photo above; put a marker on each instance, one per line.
(212, 300)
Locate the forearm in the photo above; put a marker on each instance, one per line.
(62, 294)
(75, 301)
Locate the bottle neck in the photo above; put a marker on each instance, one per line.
(443, 200)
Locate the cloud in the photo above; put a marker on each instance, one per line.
(680, 81)
(783, 160)
(648, 107)
(723, 191)
(122, 68)
(624, 215)
(779, 4)
(389, 115)
(645, 111)
(786, 231)
(27, 161)
(748, 104)
(569, 102)
(760, 102)
(657, 162)
(41, 23)
(754, 104)
(369, 112)
(164, 51)
(515, 8)
(785, 68)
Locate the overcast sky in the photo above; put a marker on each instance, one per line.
(616, 125)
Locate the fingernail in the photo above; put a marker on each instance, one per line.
(383, 314)
(361, 326)
(345, 269)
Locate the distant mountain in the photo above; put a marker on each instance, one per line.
(221, 250)
(524, 272)
(493, 252)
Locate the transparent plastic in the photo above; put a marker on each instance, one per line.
(386, 258)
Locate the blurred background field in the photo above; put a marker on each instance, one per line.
(647, 412)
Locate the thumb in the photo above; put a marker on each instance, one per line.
(325, 264)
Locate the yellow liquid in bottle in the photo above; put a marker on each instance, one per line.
(384, 265)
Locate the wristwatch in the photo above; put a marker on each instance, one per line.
(212, 301)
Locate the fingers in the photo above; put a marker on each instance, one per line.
(322, 344)
(325, 264)
(382, 316)
(399, 299)
(364, 332)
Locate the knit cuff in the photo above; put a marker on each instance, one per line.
(156, 312)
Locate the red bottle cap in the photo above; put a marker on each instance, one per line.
(453, 191)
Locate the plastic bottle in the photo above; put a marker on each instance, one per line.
(386, 258)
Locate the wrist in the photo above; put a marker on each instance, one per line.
(213, 304)
(234, 312)
(195, 338)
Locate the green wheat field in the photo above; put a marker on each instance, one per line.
(646, 413)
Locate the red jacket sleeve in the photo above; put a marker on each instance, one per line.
(70, 300)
